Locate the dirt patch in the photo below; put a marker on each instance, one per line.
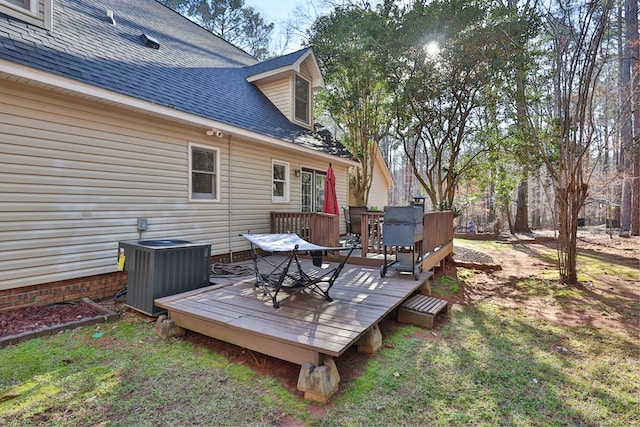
(609, 301)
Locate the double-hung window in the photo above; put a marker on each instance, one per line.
(204, 173)
(280, 181)
(302, 110)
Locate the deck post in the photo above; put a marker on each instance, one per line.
(166, 328)
(425, 286)
(371, 341)
(319, 383)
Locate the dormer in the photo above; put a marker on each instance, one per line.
(289, 82)
(35, 12)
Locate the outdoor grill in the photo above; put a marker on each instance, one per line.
(403, 227)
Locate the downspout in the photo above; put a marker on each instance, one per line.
(230, 206)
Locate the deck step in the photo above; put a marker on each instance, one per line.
(420, 310)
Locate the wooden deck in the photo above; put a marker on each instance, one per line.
(306, 328)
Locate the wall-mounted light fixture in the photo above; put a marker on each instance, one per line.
(218, 133)
(296, 172)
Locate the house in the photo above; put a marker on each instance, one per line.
(117, 113)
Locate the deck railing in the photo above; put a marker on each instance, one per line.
(438, 230)
(371, 233)
(319, 228)
(437, 241)
(323, 229)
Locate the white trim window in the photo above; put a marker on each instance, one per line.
(302, 102)
(36, 12)
(29, 6)
(312, 190)
(204, 173)
(280, 181)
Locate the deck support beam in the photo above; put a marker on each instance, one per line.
(319, 383)
(166, 328)
(371, 341)
(305, 331)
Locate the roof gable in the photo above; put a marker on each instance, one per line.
(285, 64)
(193, 71)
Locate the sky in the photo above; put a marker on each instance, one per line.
(277, 11)
(274, 10)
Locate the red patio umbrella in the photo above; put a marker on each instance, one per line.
(330, 204)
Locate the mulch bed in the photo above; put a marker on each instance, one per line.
(16, 321)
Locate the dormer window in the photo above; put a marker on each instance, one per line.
(289, 81)
(29, 6)
(302, 105)
(37, 12)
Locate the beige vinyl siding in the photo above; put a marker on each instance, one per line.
(305, 71)
(379, 193)
(251, 186)
(75, 177)
(280, 93)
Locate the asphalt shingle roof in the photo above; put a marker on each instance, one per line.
(193, 71)
(274, 63)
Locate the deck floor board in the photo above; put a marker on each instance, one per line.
(306, 325)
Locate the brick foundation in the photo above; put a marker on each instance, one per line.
(225, 258)
(93, 287)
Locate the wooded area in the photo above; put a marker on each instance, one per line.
(513, 114)
(503, 110)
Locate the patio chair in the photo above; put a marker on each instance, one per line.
(289, 273)
(347, 220)
(355, 219)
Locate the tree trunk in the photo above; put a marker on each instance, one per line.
(536, 205)
(633, 40)
(356, 186)
(521, 224)
(509, 221)
(491, 207)
(576, 78)
(626, 130)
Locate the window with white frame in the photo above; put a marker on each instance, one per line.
(29, 6)
(204, 175)
(302, 110)
(312, 190)
(37, 12)
(280, 181)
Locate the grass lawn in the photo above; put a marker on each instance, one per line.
(492, 361)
